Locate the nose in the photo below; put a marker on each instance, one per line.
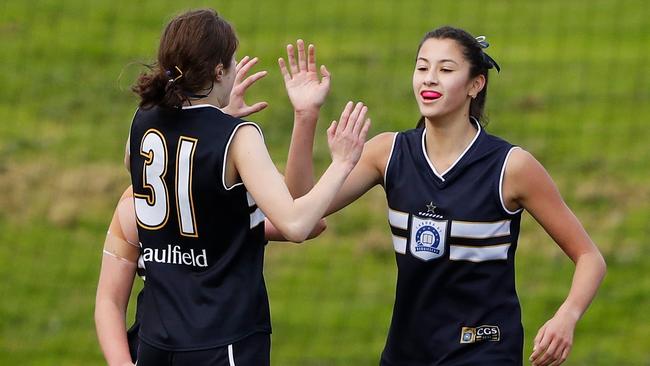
(431, 78)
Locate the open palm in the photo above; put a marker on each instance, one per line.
(305, 89)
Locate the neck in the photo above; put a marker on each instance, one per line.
(447, 137)
(211, 98)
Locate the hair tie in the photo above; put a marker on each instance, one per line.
(489, 61)
(169, 75)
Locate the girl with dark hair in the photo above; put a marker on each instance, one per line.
(203, 183)
(455, 197)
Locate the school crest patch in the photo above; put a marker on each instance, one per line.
(428, 238)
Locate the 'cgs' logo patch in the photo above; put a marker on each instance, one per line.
(428, 238)
(480, 334)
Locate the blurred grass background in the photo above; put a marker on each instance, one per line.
(574, 90)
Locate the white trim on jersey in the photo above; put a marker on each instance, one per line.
(433, 168)
(503, 172)
(399, 243)
(200, 106)
(390, 155)
(398, 219)
(231, 356)
(225, 154)
(479, 230)
(478, 254)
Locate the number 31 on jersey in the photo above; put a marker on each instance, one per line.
(152, 209)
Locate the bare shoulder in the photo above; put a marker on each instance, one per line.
(378, 149)
(525, 176)
(522, 163)
(246, 140)
(381, 144)
(247, 131)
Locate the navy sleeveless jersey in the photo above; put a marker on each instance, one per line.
(455, 242)
(202, 241)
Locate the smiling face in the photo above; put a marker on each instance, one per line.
(441, 79)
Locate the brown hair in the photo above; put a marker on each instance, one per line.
(191, 47)
(474, 54)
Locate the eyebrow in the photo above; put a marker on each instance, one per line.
(441, 61)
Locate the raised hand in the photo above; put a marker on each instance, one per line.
(237, 107)
(347, 135)
(306, 91)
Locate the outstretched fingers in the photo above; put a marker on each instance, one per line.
(283, 70)
(311, 58)
(345, 115)
(361, 119)
(354, 116)
(243, 69)
(293, 66)
(241, 63)
(302, 57)
(252, 79)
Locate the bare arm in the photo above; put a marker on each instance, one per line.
(368, 172)
(528, 185)
(271, 233)
(295, 219)
(307, 94)
(115, 282)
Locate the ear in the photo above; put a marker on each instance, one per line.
(219, 71)
(477, 85)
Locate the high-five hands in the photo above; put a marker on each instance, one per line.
(347, 135)
(306, 90)
(237, 107)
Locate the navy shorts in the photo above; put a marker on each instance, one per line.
(253, 350)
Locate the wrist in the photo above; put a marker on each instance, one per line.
(310, 112)
(227, 110)
(569, 312)
(343, 166)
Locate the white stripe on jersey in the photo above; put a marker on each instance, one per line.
(256, 218)
(478, 254)
(480, 230)
(400, 244)
(251, 201)
(398, 219)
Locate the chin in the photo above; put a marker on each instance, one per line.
(429, 113)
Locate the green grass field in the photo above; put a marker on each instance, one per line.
(574, 90)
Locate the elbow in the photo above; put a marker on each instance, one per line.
(295, 232)
(597, 263)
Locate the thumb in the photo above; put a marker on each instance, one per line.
(331, 130)
(326, 75)
(252, 109)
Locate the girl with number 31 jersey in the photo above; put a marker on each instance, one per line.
(201, 179)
